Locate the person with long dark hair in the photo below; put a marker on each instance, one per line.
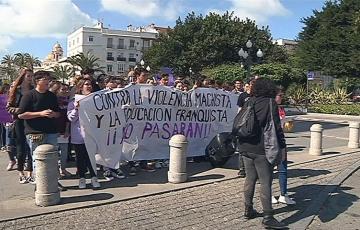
(83, 163)
(21, 86)
(257, 166)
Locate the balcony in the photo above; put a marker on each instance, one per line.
(132, 59)
(110, 46)
(132, 47)
(121, 58)
(110, 58)
(145, 48)
(121, 47)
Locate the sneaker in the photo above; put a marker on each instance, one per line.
(118, 173)
(286, 200)
(31, 180)
(241, 174)
(132, 171)
(274, 200)
(23, 180)
(65, 173)
(107, 175)
(157, 165)
(165, 163)
(94, 182)
(82, 183)
(149, 168)
(11, 165)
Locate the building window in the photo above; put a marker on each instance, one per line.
(73, 42)
(91, 38)
(121, 68)
(132, 57)
(69, 44)
(77, 40)
(109, 56)
(121, 44)
(109, 68)
(132, 44)
(109, 43)
(121, 57)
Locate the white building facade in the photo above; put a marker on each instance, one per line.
(118, 50)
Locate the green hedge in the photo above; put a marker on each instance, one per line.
(341, 109)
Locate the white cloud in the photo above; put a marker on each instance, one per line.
(5, 41)
(40, 18)
(144, 8)
(258, 10)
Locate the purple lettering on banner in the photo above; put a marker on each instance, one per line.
(198, 130)
(189, 132)
(155, 130)
(182, 128)
(148, 127)
(175, 130)
(165, 128)
(127, 131)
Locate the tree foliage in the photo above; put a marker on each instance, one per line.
(13, 63)
(199, 42)
(85, 61)
(282, 74)
(330, 40)
(63, 72)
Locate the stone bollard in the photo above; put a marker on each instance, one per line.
(316, 140)
(354, 135)
(47, 192)
(177, 167)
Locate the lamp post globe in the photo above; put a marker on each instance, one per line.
(249, 44)
(142, 63)
(259, 53)
(148, 68)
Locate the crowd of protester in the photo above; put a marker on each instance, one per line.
(42, 110)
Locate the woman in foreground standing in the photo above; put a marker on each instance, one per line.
(257, 166)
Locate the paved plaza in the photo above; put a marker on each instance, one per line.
(212, 199)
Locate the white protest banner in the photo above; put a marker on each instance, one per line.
(136, 122)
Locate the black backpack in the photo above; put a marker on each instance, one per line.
(245, 123)
(220, 149)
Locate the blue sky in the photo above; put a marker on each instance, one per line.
(35, 26)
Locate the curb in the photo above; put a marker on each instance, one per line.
(179, 189)
(307, 216)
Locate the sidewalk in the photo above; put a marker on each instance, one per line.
(212, 198)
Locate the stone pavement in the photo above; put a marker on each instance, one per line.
(342, 211)
(211, 199)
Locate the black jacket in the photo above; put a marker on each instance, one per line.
(262, 111)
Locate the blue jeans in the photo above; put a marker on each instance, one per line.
(49, 138)
(282, 169)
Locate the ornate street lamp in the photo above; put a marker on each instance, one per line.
(245, 53)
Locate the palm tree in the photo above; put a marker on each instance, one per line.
(86, 61)
(9, 62)
(20, 60)
(31, 61)
(63, 72)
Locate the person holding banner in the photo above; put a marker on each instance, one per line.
(21, 86)
(110, 173)
(83, 163)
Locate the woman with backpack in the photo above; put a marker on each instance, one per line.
(257, 165)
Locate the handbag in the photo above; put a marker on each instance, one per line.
(271, 143)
